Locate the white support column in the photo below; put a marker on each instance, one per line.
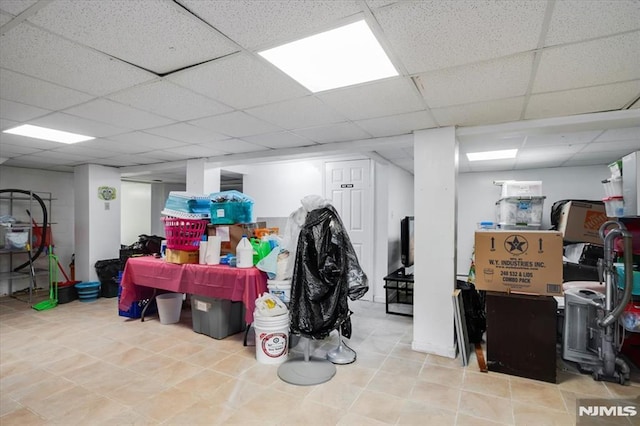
(436, 170)
(202, 179)
(97, 220)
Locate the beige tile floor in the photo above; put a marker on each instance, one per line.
(81, 363)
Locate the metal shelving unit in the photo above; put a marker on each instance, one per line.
(16, 204)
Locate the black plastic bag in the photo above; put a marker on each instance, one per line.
(326, 274)
(474, 312)
(108, 271)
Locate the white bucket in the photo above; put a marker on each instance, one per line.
(169, 307)
(272, 338)
(280, 289)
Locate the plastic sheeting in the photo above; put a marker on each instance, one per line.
(326, 274)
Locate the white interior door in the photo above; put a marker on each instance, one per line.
(348, 186)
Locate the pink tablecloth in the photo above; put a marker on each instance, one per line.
(142, 274)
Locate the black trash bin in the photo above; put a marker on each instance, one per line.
(107, 271)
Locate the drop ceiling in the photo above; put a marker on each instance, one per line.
(159, 82)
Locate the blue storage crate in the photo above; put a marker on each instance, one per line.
(230, 212)
(135, 310)
(187, 203)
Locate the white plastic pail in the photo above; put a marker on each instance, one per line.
(169, 307)
(272, 338)
(280, 289)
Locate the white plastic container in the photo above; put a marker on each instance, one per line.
(520, 211)
(613, 186)
(515, 188)
(614, 206)
(272, 338)
(280, 289)
(244, 253)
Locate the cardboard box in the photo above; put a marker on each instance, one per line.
(182, 256)
(580, 222)
(528, 262)
(231, 234)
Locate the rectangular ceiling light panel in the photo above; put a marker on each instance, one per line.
(341, 57)
(492, 155)
(47, 134)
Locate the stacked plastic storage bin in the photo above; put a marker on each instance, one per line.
(187, 205)
(520, 205)
(231, 207)
(135, 310)
(614, 201)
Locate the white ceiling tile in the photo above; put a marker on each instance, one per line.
(629, 146)
(339, 132)
(196, 151)
(608, 60)
(147, 140)
(493, 165)
(39, 93)
(156, 35)
(83, 150)
(117, 161)
(60, 157)
(490, 144)
(26, 49)
(240, 81)
(427, 35)
(377, 99)
(297, 113)
(496, 79)
(10, 150)
(186, 133)
(169, 100)
(162, 156)
(7, 124)
(491, 112)
(5, 18)
(538, 162)
(264, 23)
(567, 138)
(75, 124)
(16, 7)
(625, 134)
(574, 20)
(118, 114)
(234, 146)
(546, 152)
(20, 112)
(9, 139)
(380, 3)
(595, 158)
(279, 140)
(235, 124)
(397, 124)
(579, 101)
(120, 147)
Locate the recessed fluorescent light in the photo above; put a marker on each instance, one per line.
(337, 58)
(48, 134)
(492, 155)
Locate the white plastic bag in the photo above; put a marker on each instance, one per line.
(269, 305)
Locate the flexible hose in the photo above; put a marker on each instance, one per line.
(45, 225)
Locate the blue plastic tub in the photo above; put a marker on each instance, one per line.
(88, 291)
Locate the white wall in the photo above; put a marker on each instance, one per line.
(135, 211)
(60, 185)
(159, 194)
(97, 225)
(277, 188)
(400, 190)
(477, 196)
